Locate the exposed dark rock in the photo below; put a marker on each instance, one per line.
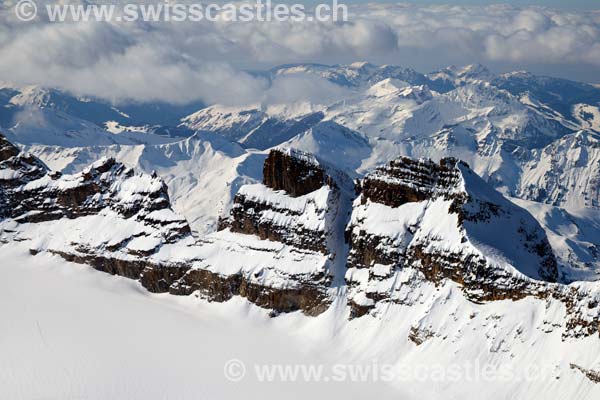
(33, 194)
(310, 298)
(297, 174)
(418, 336)
(358, 310)
(480, 282)
(7, 149)
(52, 197)
(294, 172)
(406, 180)
(367, 250)
(246, 218)
(592, 375)
(20, 167)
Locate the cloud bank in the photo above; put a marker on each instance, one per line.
(185, 61)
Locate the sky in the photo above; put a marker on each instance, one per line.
(188, 61)
(563, 4)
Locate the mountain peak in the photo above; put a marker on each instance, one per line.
(386, 87)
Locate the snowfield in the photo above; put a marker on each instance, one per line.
(70, 332)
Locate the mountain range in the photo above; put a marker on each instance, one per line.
(459, 208)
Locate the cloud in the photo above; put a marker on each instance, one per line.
(185, 61)
(303, 88)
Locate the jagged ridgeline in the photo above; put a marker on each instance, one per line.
(293, 241)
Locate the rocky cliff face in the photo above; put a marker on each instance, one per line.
(298, 208)
(418, 221)
(272, 250)
(406, 180)
(295, 172)
(296, 204)
(33, 194)
(292, 242)
(413, 213)
(17, 167)
(461, 208)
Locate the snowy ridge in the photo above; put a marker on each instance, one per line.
(460, 235)
(120, 222)
(361, 74)
(498, 124)
(566, 172)
(17, 99)
(301, 204)
(130, 211)
(414, 223)
(230, 122)
(301, 221)
(442, 208)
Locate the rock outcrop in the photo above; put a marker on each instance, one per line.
(406, 180)
(121, 222)
(297, 204)
(33, 194)
(295, 172)
(438, 222)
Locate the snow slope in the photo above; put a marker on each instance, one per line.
(104, 337)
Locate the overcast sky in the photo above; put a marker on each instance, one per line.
(564, 4)
(187, 61)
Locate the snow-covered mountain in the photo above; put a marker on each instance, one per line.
(427, 249)
(519, 145)
(435, 218)
(492, 122)
(360, 74)
(49, 116)
(460, 209)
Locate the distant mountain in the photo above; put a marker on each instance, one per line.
(362, 74)
(513, 138)
(160, 118)
(487, 120)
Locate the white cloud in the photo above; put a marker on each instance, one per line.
(180, 62)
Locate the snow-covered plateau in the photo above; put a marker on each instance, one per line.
(425, 227)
